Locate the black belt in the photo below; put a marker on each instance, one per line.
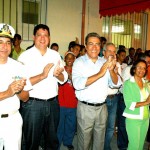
(111, 96)
(38, 99)
(91, 104)
(7, 115)
(4, 115)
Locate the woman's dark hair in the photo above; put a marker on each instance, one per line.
(72, 45)
(120, 51)
(41, 26)
(132, 70)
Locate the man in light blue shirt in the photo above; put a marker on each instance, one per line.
(91, 77)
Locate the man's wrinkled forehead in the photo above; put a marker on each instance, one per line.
(5, 39)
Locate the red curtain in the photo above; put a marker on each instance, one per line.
(114, 7)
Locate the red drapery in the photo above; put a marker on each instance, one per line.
(114, 7)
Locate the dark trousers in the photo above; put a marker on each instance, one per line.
(122, 137)
(40, 118)
(111, 104)
(67, 125)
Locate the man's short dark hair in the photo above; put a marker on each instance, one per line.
(18, 36)
(41, 26)
(103, 39)
(131, 48)
(92, 34)
(54, 44)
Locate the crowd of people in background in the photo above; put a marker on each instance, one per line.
(94, 91)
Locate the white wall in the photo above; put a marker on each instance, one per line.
(64, 17)
(64, 20)
(93, 22)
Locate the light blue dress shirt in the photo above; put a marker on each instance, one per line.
(97, 92)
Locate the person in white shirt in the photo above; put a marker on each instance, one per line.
(113, 97)
(91, 76)
(41, 112)
(12, 80)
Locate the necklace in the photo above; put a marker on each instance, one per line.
(139, 83)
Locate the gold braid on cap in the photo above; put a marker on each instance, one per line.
(5, 31)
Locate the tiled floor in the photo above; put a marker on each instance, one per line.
(113, 144)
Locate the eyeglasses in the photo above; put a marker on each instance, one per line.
(93, 44)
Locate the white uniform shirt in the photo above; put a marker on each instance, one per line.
(7, 73)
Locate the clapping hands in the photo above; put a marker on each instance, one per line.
(58, 70)
(111, 62)
(16, 86)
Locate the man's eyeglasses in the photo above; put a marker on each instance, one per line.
(93, 44)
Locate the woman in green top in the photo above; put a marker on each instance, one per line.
(137, 102)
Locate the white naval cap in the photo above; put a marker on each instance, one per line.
(6, 31)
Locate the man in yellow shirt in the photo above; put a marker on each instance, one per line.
(17, 50)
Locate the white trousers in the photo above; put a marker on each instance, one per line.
(11, 132)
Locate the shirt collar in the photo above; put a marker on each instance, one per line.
(87, 58)
(132, 79)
